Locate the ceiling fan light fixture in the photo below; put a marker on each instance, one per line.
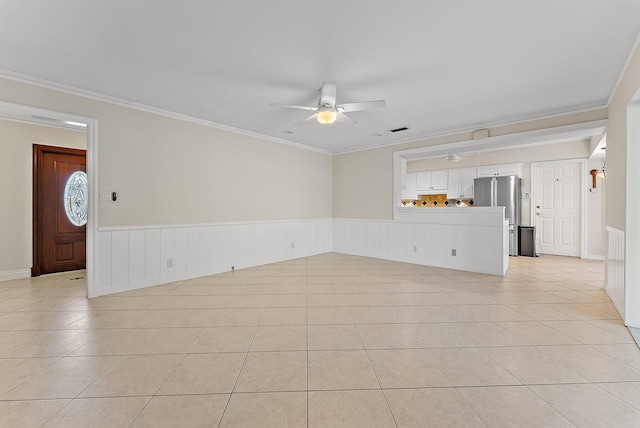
(326, 117)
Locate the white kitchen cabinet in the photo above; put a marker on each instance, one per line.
(468, 175)
(461, 183)
(423, 180)
(495, 170)
(409, 190)
(432, 181)
(440, 180)
(487, 170)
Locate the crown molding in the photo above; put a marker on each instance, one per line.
(624, 70)
(61, 87)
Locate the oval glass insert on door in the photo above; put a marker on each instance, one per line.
(75, 198)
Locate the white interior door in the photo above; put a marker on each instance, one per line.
(557, 212)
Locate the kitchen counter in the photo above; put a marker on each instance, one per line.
(488, 216)
(474, 239)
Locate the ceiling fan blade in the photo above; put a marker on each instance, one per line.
(364, 105)
(346, 119)
(328, 94)
(313, 116)
(308, 108)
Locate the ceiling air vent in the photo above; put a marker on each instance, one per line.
(404, 128)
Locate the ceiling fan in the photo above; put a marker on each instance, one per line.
(327, 111)
(457, 157)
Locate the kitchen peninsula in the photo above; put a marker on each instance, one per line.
(450, 225)
(467, 238)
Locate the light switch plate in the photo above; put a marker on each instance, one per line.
(105, 196)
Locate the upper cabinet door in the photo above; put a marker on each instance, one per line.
(431, 182)
(461, 183)
(497, 170)
(468, 175)
(409, 191)
(509, 169)
(423, 180)
(455, 184)
(487, 171)
(439, 180)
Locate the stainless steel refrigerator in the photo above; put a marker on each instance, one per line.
(502, 191)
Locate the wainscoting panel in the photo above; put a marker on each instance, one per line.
(614, 268)
(142, 256)
(138, 257)
(120, 257)
(152, 253)
(479, 248)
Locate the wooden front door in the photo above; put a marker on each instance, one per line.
(59, 209)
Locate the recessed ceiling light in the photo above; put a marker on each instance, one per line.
(288, 132)
(377, 135)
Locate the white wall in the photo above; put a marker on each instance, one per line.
(16, 174)
(617, 141)
(167, 171)
(622, 178)
(595, 209)
(172, 171)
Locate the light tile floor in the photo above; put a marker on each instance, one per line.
(325, 341)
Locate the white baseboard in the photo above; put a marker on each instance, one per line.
(593, 257)
(15, 274)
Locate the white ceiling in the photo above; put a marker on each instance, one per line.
(442, 66)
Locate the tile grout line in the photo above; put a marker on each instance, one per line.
(243, 361)
(366, 352)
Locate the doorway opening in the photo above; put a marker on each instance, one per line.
(56, 119)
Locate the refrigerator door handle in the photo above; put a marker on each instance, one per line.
(494, 192)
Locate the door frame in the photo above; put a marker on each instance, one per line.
(42, 116)
(38, 152)
(582, 162)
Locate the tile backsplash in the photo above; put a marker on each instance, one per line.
(439, 200)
